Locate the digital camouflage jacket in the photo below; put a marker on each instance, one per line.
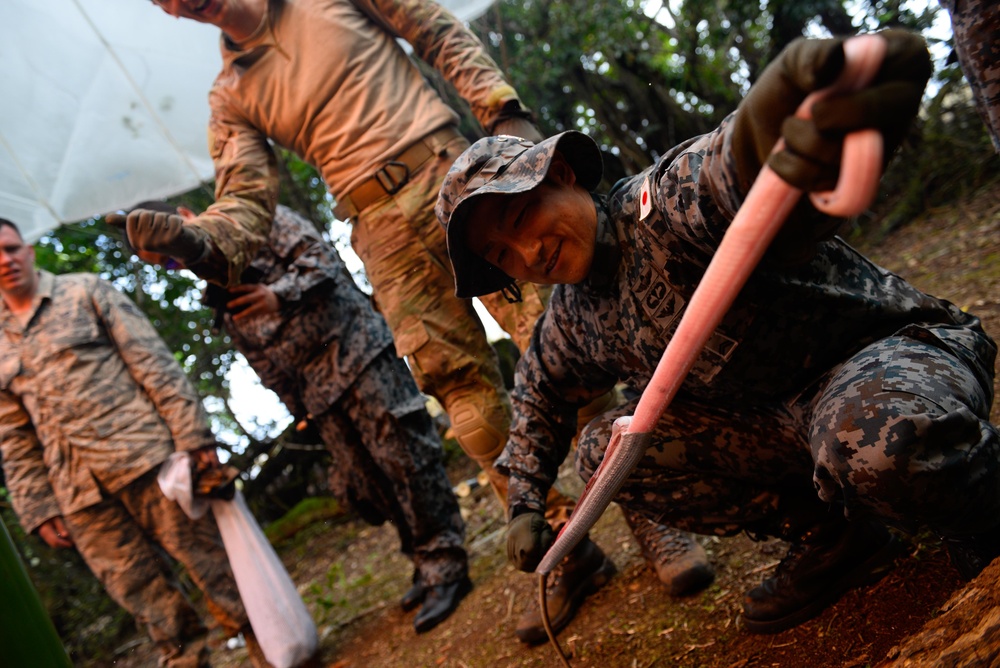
(326, 332)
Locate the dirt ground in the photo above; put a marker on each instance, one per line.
(351, 575)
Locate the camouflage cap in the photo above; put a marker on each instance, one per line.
(505, 165)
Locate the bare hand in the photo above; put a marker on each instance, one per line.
(255, 299)
(55, 533)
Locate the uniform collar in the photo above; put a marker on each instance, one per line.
(46, 281)
(607, 253)
(262, 38)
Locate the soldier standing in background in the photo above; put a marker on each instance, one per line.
(975, 25)
(312, 337)
(91, 404)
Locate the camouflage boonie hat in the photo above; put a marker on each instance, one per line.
(506, 165)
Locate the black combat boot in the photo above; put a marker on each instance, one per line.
(439, 602)
(415, 595)
(824, 561)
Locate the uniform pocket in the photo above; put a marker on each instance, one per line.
(9, 368)
(410, 336)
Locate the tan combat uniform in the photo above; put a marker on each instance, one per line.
(327, 80)
(91, 403)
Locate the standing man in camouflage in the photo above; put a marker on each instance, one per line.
(975, 25)
(91, 403)
(328, 80)
(832, 400)
(312, 337)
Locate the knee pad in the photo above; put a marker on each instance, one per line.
(480, 439)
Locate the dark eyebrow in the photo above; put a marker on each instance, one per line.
(505, 202)
(505, 206)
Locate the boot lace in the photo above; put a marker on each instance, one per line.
(790, 562)
(662, 543)
(554, 579)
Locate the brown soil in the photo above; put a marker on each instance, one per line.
(351, 576)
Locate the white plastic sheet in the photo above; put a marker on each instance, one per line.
(105, 104)
(280, 620)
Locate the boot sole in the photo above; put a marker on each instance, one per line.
(692, 581)
(869, 572)
(537, 635)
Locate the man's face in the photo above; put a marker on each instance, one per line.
(545, 235)
(215, 12)
(18, 277)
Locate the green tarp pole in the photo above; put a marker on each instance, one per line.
(27, 637)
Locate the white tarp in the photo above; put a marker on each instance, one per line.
(105, 105)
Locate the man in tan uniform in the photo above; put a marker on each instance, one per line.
(91, 403)
(328, 80)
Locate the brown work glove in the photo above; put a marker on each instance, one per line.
(811, 158)
(516, 121)
(210, 478)
(164, 233)
(529, 537)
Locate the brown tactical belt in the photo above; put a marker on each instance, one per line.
(394, 174)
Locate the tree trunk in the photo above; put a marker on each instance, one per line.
(965, 635)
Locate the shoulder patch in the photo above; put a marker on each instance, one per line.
(645, 199)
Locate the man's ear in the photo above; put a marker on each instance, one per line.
(560, 172)
(186, 213)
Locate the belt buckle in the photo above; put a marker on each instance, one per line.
(388, 182)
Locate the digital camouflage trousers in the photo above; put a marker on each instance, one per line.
(900, 432)
(387, 464)
(118, 539)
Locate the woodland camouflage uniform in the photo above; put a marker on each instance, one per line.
(91, 403)
(328, 355)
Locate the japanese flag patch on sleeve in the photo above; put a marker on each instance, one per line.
(645, 199)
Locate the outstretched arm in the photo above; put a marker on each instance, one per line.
(443, 41)
(221, 242)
